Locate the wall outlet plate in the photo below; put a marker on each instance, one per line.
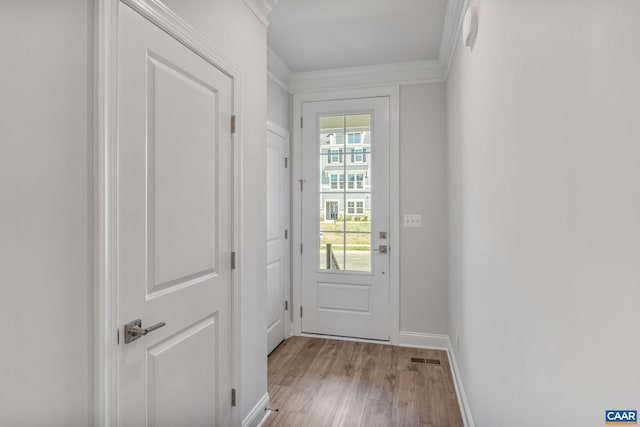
(413, 220)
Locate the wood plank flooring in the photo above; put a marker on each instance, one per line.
(319, 382)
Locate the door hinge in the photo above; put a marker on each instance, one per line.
(286, 234)
(118, 336)
(233, 397)
(286, 305)
(286, 162)
(301, 184)
(233, 260)
(300, 247)
(300, 311)
(233, 124)
(300, 121)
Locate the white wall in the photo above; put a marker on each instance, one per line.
(232, 27)
(544, 136)
(423, 190)
(278, 104)
(45, 251)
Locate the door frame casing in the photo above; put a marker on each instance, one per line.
(393, 93)
(105, 131)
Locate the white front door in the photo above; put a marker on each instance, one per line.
(174, 222)
(277, 235)
(345, 218)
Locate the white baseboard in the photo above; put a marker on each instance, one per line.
(422, 340)
(457, 382)
(441, 342)
(258, 414)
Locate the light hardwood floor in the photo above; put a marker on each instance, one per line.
(320, 382)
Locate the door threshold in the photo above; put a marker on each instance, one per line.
(343, 338)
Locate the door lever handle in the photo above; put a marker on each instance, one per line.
(134, 330)
(381, 249)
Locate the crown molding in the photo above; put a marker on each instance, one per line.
(370, 76)
(451, 32)
(278, 71)
(261, 8)
(429, 71)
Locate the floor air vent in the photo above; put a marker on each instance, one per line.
(425, 361)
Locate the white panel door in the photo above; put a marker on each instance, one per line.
(174, 223)
(277, 236)
(345, 218)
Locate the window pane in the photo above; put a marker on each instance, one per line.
(358, 121)
(355, 137)
(331, 177)
(332, 212)
(331, 133)
(331, 251)
(358, 127)
(358, 218)
(358, 252)
(359, 170)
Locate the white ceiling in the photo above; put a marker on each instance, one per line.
(313, 35)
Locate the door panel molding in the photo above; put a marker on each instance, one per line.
(393, 92)
(105, 224)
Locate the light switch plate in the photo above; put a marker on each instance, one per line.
(413, 220)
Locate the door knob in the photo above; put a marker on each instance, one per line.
(134, 330)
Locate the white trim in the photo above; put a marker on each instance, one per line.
(278, 71)
(451, 32)
(105, 129)
(422, 340)
(465, 410)
(426, 71)
(277, 129)
(261, 8)
(238, 226)
(105, 196)
(259, 414)
(368, 76)
(163, 17)
(394, 214)
(393, 92)
(105, 355)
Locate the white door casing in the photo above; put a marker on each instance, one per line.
(351, 296)
(174, 230)
(278, 248)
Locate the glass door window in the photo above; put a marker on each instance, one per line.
(344, 220)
